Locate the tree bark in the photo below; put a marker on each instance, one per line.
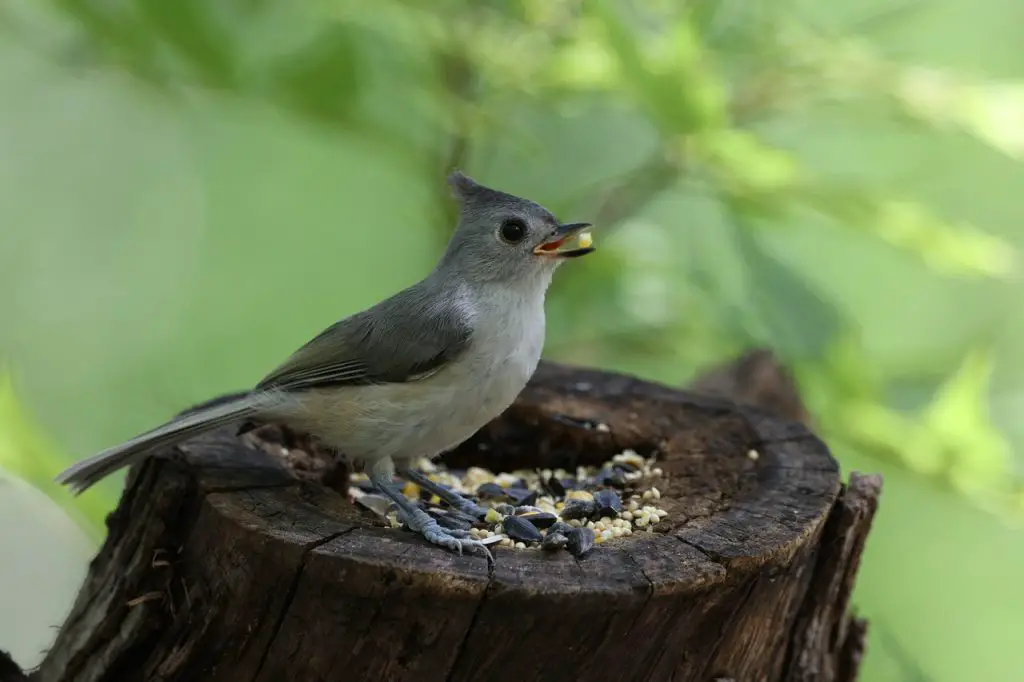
(228, 561)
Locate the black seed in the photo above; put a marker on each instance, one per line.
(464, 517)
(448, 520)
(521, 530)
(504, 509)
(610, 477)
(490, 491)
(580, 541)
(579, 509)
(521, 496)
(539, 519)
(554, 541)
(559, 528)
(608, 503)
(554, 487)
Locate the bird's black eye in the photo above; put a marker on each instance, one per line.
(513, 231)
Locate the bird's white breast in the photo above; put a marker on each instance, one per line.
(427, 417)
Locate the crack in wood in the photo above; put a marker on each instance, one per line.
(461, 650)
(290, 596)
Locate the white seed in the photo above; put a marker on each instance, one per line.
(607, 535)
(506, 480)
(606, 520)
(655, 493)
(662, 513)
(576, 523)
(633, 505)
(603, 428)
(753, 455)
(590, 524)
(520, 545)
(643, 520)
(626, 516)
(648, 494)
(650, 529)
(657, 471)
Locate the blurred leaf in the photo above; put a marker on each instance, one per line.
(980, 459)
(584, 63)
(796, 320)
(322, 79)
(26, 452)
(953, 249)
(667, 71)
(194, 32)
(111, 31)
(746, 168)
(989, 110)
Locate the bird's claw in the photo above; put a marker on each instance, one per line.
(455, 540)
(469, 508)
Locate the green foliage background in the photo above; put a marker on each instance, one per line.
(189, 190)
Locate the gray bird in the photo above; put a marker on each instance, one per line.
(418, 373)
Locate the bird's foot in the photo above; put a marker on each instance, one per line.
(468, 507)
(454, 500)
(454, 539)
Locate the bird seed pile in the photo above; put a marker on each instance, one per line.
(551, 509)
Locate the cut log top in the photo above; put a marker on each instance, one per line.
(230, 565)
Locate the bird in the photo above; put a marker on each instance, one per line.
(415, 375)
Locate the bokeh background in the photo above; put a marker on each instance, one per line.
(191, 189)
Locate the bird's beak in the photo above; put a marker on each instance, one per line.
(570, 240)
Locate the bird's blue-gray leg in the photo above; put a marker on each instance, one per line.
(454, 499)
(420, 522)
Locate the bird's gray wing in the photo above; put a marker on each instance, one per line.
(397, 341)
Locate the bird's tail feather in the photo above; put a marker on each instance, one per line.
(82, 475)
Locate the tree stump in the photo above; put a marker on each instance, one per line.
(223, 564)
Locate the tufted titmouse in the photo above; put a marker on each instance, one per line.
(418, 373)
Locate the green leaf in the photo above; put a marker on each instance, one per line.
(322, 79)
(980, 458)
(798, 320)
(190, 27)
(27, 452)
(958, 249)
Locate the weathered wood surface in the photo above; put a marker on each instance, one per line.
(222, 566)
